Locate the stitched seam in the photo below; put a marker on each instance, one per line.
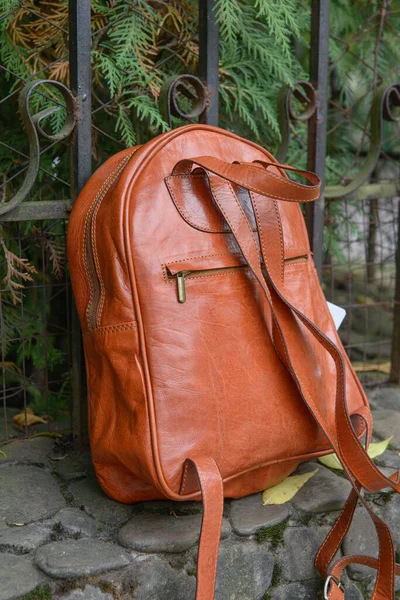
(84, 255)
(221, 495)
(278, 216)
(102, 191)
(111, 328)
(184, 213)
(260, 232)
(243, 215)
(263, 285)
(340, 528)
(171, 262)
(300, 249)
(285, 179)
(296, 264)
(236, 271)
(185, 473)
(116, 174)
(262, 192)
(338, 363)
(341, 381)
(190, 175)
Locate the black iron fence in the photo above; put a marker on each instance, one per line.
(67, 114)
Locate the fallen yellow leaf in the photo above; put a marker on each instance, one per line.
(375, 449)
(331, 461)
(51, 434)
(27, 418)
(3, 454)
(286, 489)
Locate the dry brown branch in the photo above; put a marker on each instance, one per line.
(19, 270)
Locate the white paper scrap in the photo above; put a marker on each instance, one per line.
(338, 314)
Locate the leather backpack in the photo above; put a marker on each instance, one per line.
(213, 363)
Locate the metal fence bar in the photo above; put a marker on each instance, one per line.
(209, 58)
(395, 358)
(317, 128)
(81, 169)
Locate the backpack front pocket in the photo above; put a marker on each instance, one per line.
(200, 267)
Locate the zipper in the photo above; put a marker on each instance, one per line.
(182, 276)
(297, 259)
(91, 263)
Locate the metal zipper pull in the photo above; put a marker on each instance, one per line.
(180, 279)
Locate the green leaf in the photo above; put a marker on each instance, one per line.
(286, 489)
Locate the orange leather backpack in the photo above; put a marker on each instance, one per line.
(213, 364)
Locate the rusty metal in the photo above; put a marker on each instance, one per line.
(33, 128)
(385, 99)
(317, 124)
(209, 59)
(305, 93)
(190, 87)
(81, 169)
(39, 210)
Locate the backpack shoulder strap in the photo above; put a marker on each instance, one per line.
(361, 470)
(212, 493)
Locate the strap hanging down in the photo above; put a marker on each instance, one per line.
(363, 469)
(212, 493)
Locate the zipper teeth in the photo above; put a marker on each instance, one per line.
(189, 274)
(205, 272)
(296, 259)
(92, 264)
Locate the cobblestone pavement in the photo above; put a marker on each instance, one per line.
(62, 537)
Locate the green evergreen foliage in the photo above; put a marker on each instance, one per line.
(136, 46)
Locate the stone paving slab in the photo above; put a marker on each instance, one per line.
(17, 576)
(74, 522)
(89, 592)
(78, 558)
(21, 540)
(89, 494)
(248, 515)
(76, 466)
(36, 451)
(244, 570)
(28, 494)
(154, 578)
(161, 533)
(385, 397)
(324, 492)
(386, 424)
(296, 591)
(361, 539)
(300, 543)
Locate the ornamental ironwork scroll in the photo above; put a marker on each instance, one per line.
(34, 129)
(188, 86)
(306, 95)
(384, 101)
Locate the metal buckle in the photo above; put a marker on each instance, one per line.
(328, 581)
